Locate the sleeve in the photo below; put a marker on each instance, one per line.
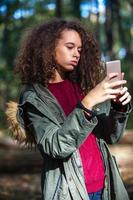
(58, 141)
(111, 127)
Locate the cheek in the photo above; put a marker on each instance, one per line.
(61, 55)
(59, 58)
(57, 55)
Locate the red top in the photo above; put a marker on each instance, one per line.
(67, 94)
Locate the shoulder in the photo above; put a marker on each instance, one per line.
(28, 95)
(36, 95)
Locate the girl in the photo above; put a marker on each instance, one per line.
(70, 110)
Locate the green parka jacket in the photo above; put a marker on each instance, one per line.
(58, 138)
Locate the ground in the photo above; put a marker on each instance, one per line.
(20, 175)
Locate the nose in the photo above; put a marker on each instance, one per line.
(76, 53)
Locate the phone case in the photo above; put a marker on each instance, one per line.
(114, 66)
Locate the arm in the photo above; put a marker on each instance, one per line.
(58, 141)
(111, 127)
(111, 121)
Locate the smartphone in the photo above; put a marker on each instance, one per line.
(114, 66)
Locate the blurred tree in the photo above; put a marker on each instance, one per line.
(97, 23)
(117, 27)
(58, 10)
(109, 27)
(8, 48)
(76, 8)
(17, 15)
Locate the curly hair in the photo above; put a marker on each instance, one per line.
(35, 61)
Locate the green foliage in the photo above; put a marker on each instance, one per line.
(19, 15)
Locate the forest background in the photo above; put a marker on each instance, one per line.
(110, 20)
(112, 23)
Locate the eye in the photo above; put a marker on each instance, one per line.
(70, 47)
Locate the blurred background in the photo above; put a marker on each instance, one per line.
(112, 23)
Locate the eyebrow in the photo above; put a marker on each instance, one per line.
(72, 44)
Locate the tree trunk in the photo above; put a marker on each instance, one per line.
(97, 25)
(109, 28)
(76, 8)
(58, 11)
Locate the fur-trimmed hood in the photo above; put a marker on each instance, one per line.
(18, 132)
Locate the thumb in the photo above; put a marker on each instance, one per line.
(122, 75)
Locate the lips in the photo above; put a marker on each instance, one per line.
(74, 62)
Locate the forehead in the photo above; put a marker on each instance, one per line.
(70, 36)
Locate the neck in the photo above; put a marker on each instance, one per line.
(57, 78)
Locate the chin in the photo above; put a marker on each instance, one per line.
(70, 68)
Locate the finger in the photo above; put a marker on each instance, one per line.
(123, 90)
(125, 96)
(117, 83)
(127, 100)
(110, 96)
(113, 91)
(110, 76)
(122, 75)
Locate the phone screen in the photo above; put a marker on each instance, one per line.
(114, 66)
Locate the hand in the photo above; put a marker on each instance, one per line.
(105, 90)
(124, 97)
